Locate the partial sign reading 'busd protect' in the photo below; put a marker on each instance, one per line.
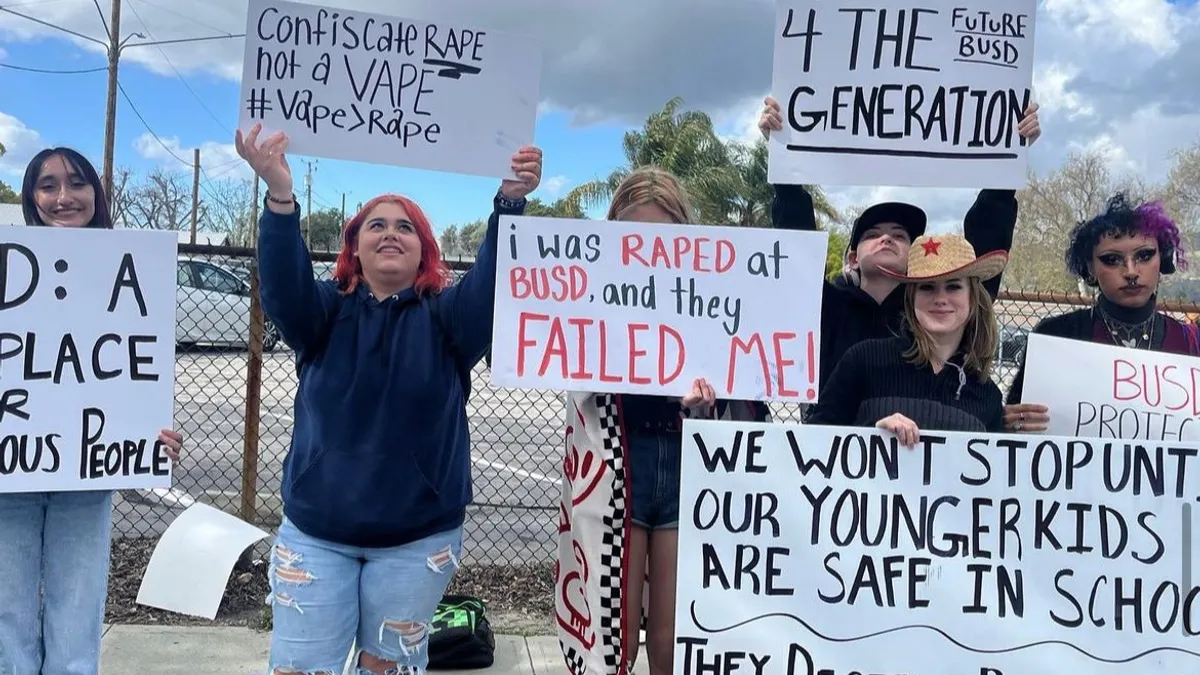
(895, 92)
(87, 358)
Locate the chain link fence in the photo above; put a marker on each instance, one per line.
(234, 389)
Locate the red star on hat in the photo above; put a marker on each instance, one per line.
(931, 247)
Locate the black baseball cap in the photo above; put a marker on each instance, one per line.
(907, 216)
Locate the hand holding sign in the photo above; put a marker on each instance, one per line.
(1026, 417)
(267, 160)
(527, 164)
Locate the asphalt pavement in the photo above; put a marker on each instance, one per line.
(516, 446)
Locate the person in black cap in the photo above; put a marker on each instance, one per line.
(865, 303)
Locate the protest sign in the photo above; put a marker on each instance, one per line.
(646, 308)
(365, 87)
(889, 92)
(87, 358)
(812, 549)
(1113, 392)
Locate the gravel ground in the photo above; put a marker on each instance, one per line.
(519, 598)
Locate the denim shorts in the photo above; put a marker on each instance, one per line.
(326, 597)
(654, 458)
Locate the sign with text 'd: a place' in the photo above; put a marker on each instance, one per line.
(892, 92)
(646, 308)
(351, 85)
(87, 358)
(815, 549)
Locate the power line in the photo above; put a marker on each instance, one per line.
(52, 72)
(177, 73)
(168, 10)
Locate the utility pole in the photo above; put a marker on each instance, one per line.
(113, 46)
(195, 191)
(343, 207)
(110, 110)
(308, 199)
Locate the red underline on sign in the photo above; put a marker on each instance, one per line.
(929, 154)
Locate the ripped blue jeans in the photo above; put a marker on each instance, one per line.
(325, 597)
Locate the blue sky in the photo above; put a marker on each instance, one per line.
(195, 108)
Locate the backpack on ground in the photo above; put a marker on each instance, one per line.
(460, 635)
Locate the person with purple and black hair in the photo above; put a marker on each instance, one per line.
(1124, 252)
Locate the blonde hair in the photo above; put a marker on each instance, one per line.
(651, 185)
(980, 336)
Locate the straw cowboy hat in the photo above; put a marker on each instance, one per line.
(948, 256)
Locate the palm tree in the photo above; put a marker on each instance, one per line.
(750, 203)
(727, 182)
(2, 150)
(684, 143)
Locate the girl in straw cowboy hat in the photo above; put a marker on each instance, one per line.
(937, 374)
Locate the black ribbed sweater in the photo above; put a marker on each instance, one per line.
(873, 380)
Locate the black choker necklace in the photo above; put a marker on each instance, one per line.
(1126, 333)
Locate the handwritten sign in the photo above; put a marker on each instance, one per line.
(891, 92)
(87, 358)
(1113, 392)
(371, 88)
(646, 308)
(983, 554)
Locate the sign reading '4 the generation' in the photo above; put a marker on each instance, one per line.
(892, 92)
(365, 87)
(806, 550)
(87, 358)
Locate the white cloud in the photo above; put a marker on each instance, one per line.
(1118, 74)
(21, 144)
(552, 187)
(217, 160)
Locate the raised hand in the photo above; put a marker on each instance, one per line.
(1029, 128)
(268, 160)
(527, 164)
(771, 119)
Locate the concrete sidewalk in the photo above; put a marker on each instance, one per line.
(191, 650)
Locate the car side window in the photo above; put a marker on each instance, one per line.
(213, 279)
(183, 275)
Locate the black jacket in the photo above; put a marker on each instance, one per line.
(874, 381)
(848, 314)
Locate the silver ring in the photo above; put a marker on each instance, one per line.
(1017, 426)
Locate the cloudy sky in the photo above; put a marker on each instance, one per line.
(1116, 74)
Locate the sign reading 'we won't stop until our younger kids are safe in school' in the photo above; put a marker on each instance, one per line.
(364, 87)
(87, 358)
(646, 308)
(897, 92)
(968, 554)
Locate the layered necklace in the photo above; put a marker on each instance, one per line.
(1137, 335)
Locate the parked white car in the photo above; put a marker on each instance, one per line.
(212, 307)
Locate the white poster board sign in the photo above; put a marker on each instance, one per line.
(1113, 392)
(365, 87)
(87, 358)
(645, 308)
(811, 549)
(886, 92)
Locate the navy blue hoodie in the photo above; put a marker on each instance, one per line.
(380, 452)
